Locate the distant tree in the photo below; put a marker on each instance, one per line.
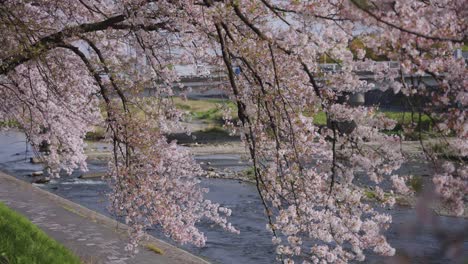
(62, 60)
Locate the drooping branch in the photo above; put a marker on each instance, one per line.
(54, 40)
(260, 34)
(104, 93)
(110, 75)
(90, 68)
(245, 121)
(406, 30)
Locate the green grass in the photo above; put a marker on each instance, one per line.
(97, 134)
(416, 183)
(249, 173)
(208, 110)
(402, 118)
(320, 119)
(9, 123)
(408, 120)
(372, 195)
(154, 249)
(357, 43)
(21, 242)
(465, 47)
(405, 118)
(369, 194)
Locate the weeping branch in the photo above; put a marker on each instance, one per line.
(55, 40)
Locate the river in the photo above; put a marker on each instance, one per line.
(253, 245)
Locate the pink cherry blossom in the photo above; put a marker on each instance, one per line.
(67, 67)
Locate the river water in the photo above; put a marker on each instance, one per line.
(253, 245)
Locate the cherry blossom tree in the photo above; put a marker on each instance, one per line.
(62, 61)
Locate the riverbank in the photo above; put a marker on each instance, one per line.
(23, 242)
(407, 234)
(229, 160)
(93, 237)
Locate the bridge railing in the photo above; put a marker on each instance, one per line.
(211, 72)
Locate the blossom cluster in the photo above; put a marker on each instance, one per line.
(67, 67)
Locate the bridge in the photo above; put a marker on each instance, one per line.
(202, 81)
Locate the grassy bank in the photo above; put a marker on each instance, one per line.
(210, 111)
(21, 242)
(207, 110)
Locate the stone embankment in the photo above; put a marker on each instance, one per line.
(95, 238)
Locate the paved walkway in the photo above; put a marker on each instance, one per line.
(92, 236)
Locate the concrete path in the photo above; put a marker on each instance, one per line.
(93, 237)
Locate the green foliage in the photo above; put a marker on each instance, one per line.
(402, 118)
(324, 58)
(406, 118)
(21, 242)
(465, 47)
(213, 132)
(9, 123)
(155, 249)
(364, 4)
(320, 119)
(183, 107)
(210, 111)
(249, 173)
(416, 183)
(369, 194)
(409, 120)
(211, 115)
(357, 43)
(207, 110)
(97, 134)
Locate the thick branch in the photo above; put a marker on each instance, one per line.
(56, 39)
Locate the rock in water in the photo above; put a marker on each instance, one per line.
(37, 173)
(212, 174)
(36, 160)
(41, 180)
